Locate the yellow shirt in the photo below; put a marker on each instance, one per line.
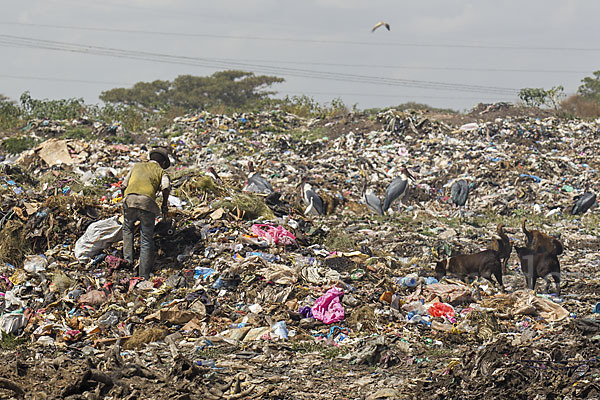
(142, 183)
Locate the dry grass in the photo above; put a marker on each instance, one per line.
(580, 107)
(13, 246)
(251, 207)
(141, 337)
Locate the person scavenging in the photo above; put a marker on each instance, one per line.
(140, 189)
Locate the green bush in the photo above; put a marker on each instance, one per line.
(307, 107)
(78, 132)
(10, 115)
(51, 109)
(16, 145)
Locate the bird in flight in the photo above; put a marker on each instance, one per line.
(377, 25)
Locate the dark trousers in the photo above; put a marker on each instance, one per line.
(146, 218)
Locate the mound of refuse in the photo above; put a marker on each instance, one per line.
(267, 295)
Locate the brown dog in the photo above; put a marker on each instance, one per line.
(540, 242)
(539, 265)
(502, 246)
(483, 264)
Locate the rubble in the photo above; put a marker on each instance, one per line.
(253, 299)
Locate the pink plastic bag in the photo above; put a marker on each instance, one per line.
(328, 308)
(273, 235)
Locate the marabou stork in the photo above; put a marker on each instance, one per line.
(459, 192)
(369, 197)
(398, 188)
(584, 202)
(256, 182)
(314, 204)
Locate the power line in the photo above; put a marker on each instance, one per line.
(402, 96)
(313, 41)
(424, 67)
(408, 67)
(11, 40)
(56, 79)
(45, 78)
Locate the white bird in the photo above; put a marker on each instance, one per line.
(377, 25)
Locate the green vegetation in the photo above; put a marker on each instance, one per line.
(78, 132)
(586, 103)
(51, 109)
(10, 114)
(229, 89)
(10, 341)
(309, 134)
(340, 240)
(412, 106)
(18, 144)
(537, 97)
(305, 106)
(590, 88)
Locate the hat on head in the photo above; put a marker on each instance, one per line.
(161, 155)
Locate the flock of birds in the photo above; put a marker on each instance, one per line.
(396, 191)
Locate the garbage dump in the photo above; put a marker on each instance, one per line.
(256, 295)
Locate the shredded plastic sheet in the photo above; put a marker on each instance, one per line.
(273, 235)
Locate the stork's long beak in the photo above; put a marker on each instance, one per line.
(409, 175)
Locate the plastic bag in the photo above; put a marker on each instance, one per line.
(328, 308)
(441, 310)
(13, 323)
(35, 264)
(97, 237)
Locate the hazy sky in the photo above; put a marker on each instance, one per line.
(440, 52)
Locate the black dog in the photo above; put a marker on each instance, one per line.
(539, 265)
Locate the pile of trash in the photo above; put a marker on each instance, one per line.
(255, 295)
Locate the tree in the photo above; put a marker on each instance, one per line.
(537, 97)
(233, 89)
(590, 89)
(142, 94)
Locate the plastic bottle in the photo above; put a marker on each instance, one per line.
(265, 256)
(395, 301)
(108, 320)
(430, 280)
(410, 280)
(218, 283)
(417, 319)
(206, 363)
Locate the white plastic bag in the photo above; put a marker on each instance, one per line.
(35, 264)
(97, 237)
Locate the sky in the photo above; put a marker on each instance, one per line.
(445, 53)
